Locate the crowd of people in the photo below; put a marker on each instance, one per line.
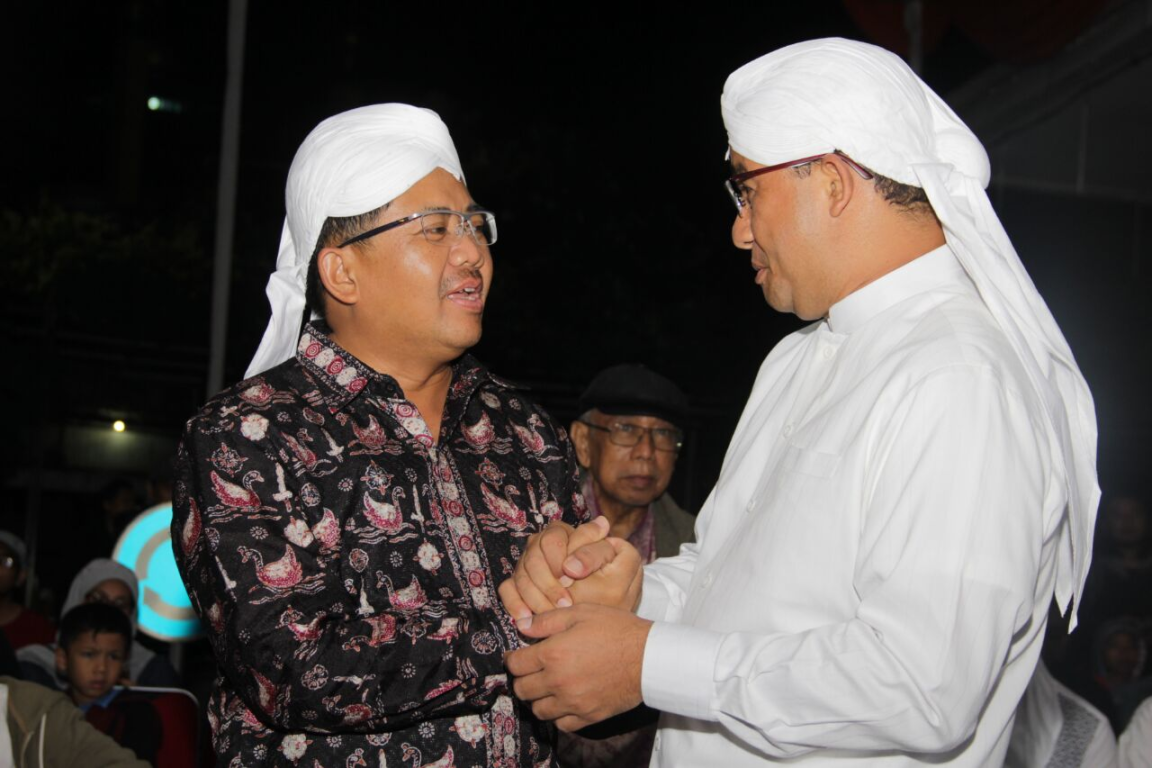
(91, 658)
(92, 654)
(398, 557)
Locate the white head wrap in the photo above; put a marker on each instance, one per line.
(815, 97)
(351, 163)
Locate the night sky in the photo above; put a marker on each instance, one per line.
(597, 141)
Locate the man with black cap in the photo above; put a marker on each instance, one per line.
(627, 441)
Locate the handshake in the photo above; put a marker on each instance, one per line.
(576, 590)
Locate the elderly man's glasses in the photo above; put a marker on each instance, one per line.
(628, 435)
(735, 184)
(442, 227)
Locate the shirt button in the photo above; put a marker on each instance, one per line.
(787, 430)
(828, 352)
(708, 580)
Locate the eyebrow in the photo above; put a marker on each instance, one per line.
(471, 208)
(735, 168)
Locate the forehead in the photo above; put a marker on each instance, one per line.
(654, 422)
(741, 164)
(439, 189)
(105, 641)
(112, 588)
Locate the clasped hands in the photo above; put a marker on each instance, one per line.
(575, 590)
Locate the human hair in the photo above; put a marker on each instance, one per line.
(94, 619)
(904, 197)
(336, 229)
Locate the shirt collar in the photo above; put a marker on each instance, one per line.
(643, 537)
(345, 377)
(923, 273)
(103, 701)
(337, 371)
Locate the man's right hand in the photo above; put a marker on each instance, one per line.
(563, 565)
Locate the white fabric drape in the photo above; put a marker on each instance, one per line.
(833, 94)
(351, 163)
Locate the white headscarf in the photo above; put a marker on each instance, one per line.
(815, 97)
(351, 163)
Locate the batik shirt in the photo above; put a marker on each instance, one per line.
(345, 564)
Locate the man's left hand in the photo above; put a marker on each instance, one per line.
(586, 669)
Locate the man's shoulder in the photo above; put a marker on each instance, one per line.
(962, 333)
(674, 526)
(939, 335)
(513, 397)
(30, 699)
(281, 385)
(667, 512)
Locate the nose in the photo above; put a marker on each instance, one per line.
(468, 252)
(646, 447)
(742, 230)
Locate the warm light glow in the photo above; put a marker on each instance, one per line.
(119, 425)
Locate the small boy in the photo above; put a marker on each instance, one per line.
(92, 655)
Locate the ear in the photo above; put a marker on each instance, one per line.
(581, 441)
(336, 269)
(840, 182)
(61, 661)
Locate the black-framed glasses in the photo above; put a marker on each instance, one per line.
(442, 227)
(735, 184)
(627, 435)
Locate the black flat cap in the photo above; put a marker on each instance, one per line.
(633, 390)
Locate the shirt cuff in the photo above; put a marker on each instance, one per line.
(654, 599)
(677, 676)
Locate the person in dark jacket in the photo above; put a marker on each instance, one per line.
(627, 440)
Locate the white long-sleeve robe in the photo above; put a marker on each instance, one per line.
(873, 569)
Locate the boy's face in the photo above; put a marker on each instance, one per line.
(93, 663)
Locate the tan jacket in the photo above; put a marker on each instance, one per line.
(48, 731)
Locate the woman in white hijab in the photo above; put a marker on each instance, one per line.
(102, 581)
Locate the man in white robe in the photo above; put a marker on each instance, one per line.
(910, 483)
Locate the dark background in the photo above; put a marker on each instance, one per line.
(593, 132)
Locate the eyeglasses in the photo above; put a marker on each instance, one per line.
(735, 184)
(443, 227)
(627, 435)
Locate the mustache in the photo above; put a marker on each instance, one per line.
(448, 284)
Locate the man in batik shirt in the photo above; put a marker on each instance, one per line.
(342, 518)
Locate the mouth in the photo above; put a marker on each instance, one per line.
(467, 294)
(761, 272)
(639, 482)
